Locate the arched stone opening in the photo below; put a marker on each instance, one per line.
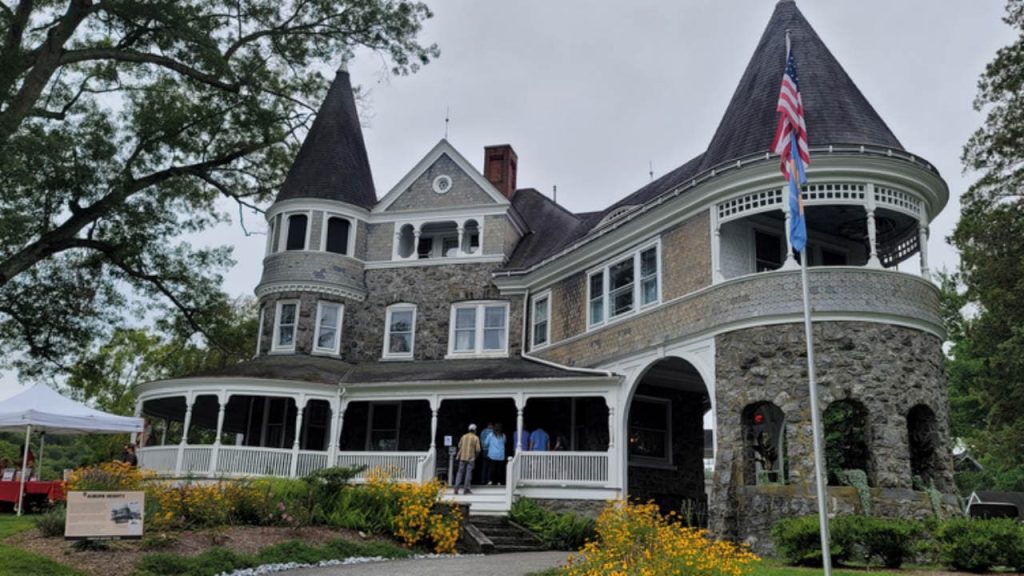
(923, 436)
(846, 446)
(764, 443)
(665, 439)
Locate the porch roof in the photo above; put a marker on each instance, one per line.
(325, 370)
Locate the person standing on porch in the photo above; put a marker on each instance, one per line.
(469, 449)
(494, 457)
(485, 469)
(540, 441)
(521, 440)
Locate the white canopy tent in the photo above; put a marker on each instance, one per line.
(45, 409)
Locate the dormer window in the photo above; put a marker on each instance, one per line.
(295, 235)
(337, 231)
(285, 322)
(400, 331)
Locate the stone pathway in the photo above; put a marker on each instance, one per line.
(517, 564)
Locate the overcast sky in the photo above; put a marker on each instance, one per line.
(590, 93)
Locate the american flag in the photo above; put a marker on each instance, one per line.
(791, 121)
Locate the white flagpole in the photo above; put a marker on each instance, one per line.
(819, 441)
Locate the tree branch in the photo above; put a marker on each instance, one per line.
(89, 54)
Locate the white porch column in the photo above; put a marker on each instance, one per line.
(789, 263)
(873, 261)
(611, 426)
(716, 246)
(300, 408)
(922, 241)
(462, 230)
(163, 433)
(519, 428)
(184, 433)
(433, 426)
(332, 445)
(613, 462)
(222, 404)
(139, 437)
(416, 232)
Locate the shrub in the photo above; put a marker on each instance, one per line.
(112, 476)
(978, 545)
(51, 522)
(291, 551)
(798, 540)
(200, 505)
(210, 563)
(889, 541)
(566, 531)
(636, 539)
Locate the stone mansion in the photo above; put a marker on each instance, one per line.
(388, 324)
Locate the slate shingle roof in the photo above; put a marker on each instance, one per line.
(835, 110)
(551, 227)
(332, 162)
(325, 370)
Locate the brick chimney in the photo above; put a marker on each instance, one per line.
(500, 168)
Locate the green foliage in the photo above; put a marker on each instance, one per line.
(979, 545)
(984, 302)
(16, 561)
(845, 425)
(123, 124)
(798, 541)
(889, 541)
(566, 531)
(51, 523)
(210, 563)
(324, 488)
(859, 480)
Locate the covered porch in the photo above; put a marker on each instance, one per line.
(241, 427)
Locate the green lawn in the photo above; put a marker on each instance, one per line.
(21, 563)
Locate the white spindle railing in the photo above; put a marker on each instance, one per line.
(425, 466)
(563, 468)
(160, 459)
(195, 460)
(511, 479)
(402, 465)
(311, 461)
(253, 461)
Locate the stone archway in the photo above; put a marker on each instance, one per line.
(665, 442)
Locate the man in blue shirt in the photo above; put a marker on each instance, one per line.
(540, 441)
(521, 440)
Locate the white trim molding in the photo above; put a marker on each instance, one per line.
(544, 296)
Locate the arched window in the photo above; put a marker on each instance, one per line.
(846, 433)
(337, 235)
(922, 432)
(764, 440)
(296, 239)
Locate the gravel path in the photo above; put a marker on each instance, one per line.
(518, 564)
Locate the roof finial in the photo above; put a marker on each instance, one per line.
(343, 67)
(788, 45)
(447, 119)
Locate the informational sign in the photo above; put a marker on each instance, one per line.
(447, 440)
(104, 515)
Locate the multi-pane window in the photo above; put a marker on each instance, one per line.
(400, 331)
(479, 328)
(541, 320)
(296, 235)
(328, 328)
(617, 290)
(650, 440)
(337, 235)
(284, 325)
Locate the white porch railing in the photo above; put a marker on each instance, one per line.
(160, 459)
(563, 468)
(403, 466)
(253, 461)
(425, 466)
(195, 460)
(310, 461)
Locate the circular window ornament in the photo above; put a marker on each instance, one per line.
(442, 184)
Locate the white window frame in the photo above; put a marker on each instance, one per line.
(386, 353)
(647, 461)
(259, 331)
(350, 248)
(320, 305)
(603, 270)
(276, 345)
(478, 331)
(540, 297)
(282, 240)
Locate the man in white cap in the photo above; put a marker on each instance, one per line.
(469, 449)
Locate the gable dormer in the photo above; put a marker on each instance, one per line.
(445, 210)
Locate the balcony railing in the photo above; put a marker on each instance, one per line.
(563, 468)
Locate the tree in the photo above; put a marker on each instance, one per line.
(986, 369)
(122, 122)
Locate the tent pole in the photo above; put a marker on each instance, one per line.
(39, 461)
(24, 463)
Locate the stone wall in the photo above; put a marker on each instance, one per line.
(305, 328)
(380, 239)
(302, 266)
(889, 369)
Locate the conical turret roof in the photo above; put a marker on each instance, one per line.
(835, 110)
(332, 162)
